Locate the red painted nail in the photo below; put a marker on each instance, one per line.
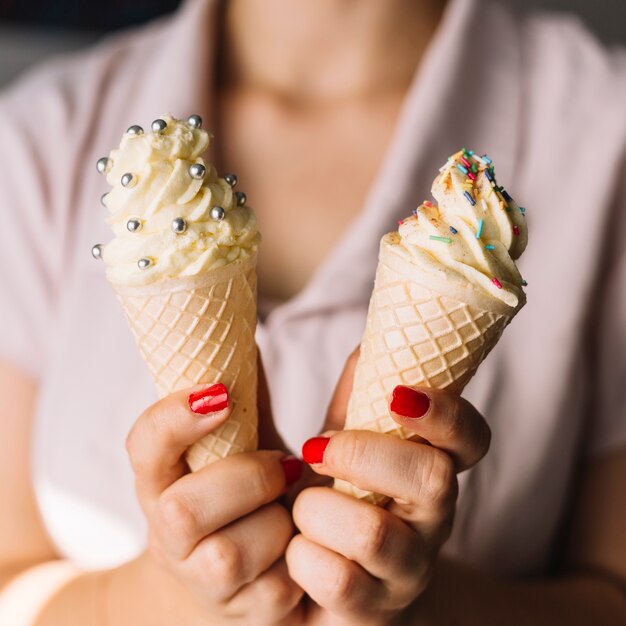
(209, 400)
(409, 402)
(292, 466)
(313, 449)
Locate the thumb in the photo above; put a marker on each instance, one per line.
(338, 407)
(269, 439)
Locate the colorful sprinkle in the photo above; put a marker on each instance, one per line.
(486, 159)
(489, 176)
(472, 175)
(471, 200)
(414, 212)
(516, 231)
(507, 197)
(524, 283)
(468, 153)
(489, 247)
(462, 168)
(453, 230)
(465, 162)
(479, 230)
(484, 203)
(474, 168)
(497, 283)
(427, 203)
(437, 238)
(400, 222)
(522, 210)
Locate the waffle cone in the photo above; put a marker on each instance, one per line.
(416, 335)
(200, 329)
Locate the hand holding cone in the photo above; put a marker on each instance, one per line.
(445, 289)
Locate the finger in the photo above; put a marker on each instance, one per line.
(336, 414)
(240, 552)
(200, 503)
(445, 420)
(369, 535)
(420, 476)
(270, 597)
(334, 582)
(159, 438)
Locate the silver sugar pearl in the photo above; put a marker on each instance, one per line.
(158, 126)
(241, 198)
(96, 251)
(103, 198)
(231, 179)
(134, 225)
(135, 130)
(218, 213)
(144, 264)
(195, 121)
(197, 171)
(128, 180)
(103, 165)
(179, 225)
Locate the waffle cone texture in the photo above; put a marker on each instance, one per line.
(416, 334)
(200, 329)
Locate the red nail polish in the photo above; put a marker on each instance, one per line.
(292, 466)
(409, 402)
(209, 400)
(313, 449)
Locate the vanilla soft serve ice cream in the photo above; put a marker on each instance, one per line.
(170, 212)
(472, 235)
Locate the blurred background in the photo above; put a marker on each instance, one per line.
(36, 29)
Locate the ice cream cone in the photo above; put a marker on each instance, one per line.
(416, 334)
(200, 329)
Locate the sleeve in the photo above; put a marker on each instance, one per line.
(30, 226)
(607, 428)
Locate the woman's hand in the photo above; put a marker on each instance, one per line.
(219, 531)
(364, 564)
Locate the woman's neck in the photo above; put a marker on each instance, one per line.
(317, 50)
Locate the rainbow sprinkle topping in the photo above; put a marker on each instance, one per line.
(471, 200)
(487, 196)
(479, 230)
(437, 238)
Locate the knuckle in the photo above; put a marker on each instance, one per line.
(175, 516)
(440, 481)
(351, 452)
(264, 479)
(372, 533)
(281, 593)
(343, 583)
(224, 560)
(455, 424)
(485, 441)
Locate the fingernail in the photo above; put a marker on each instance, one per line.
(409, 402)
(313, 449)
(209, 400)
(292, 466)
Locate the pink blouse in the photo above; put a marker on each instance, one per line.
(537, 93)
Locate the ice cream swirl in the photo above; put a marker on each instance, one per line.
(170, 212)
(475, 232)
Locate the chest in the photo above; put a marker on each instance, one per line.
(306, 171)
